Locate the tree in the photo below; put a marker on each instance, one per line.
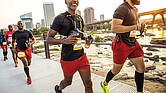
(36, 32)
(105, 26)
(43, 29)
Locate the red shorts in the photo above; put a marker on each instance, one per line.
(28, 53)
(70, 67)
(4, 47)
(122, 51)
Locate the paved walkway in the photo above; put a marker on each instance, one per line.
(45, 74)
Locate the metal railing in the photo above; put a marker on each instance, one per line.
(47, 51)
(143, 45)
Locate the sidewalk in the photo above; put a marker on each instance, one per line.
(45, 74)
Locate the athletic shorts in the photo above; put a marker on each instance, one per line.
(122, 51)
(70, 67)
(28, 53)
(4, 47)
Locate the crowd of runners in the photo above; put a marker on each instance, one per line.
(70, 26)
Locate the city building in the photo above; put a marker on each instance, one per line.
(43, 23)
(48, 13)
(38, 25)
(15, 26)
(89, 15)
(27, 20)
(102, 17)
(78, 12)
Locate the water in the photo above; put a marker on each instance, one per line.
(159, 32)
(105, 59)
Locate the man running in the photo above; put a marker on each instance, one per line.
(22, 38)
(125, 24)
(69, 25)
(4, 44)
(9, 38)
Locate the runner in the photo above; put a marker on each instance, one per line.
(22, 38)
(125, 24)
(9, 38)
(3, 44)
(69, 25)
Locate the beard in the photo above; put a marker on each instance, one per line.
(135, 2)
(20, 28)
(72, 8)
(10, 29)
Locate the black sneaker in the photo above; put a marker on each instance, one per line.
(5, 58)
(57, 89)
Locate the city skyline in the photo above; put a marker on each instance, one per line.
(27, 20)
(11, 9)
(89, 16)
(49, 14)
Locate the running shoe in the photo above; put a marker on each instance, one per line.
(5, 58)
(57, 89)
(29, 81)
(16, 63)
(104, 88)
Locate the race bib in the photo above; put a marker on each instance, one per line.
(133, 33)
(78, 45)
(10, 37)
(21, 54)
(4, 43)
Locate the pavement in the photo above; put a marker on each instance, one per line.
(45, 74)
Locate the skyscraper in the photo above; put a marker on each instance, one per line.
(89, 15)
(48, 12)
(43, 23)
(78, 12)
(27, 20)
(15, 26)
(38, 25)
(102, 17)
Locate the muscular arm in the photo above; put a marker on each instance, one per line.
(13, 41)
(117, 26)
(33, 40)
(14, 44)
(51, 40)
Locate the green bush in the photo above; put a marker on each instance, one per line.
(38, 51)
(92, 32)
(39, 46)
(54, 49)
(99, 39)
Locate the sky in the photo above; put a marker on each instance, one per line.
(10, 10)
